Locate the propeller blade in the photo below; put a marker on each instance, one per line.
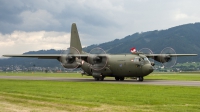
(170, 60)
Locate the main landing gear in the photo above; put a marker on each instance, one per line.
(99, 78)
(119, 78)
(140, 79)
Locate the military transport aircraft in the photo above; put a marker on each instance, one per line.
(100, 65)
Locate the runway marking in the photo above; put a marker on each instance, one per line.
(128, 81)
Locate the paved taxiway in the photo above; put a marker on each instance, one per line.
(126, 81)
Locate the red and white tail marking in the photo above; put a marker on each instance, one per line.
(133, 50)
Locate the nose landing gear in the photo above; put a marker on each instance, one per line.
(99, 78)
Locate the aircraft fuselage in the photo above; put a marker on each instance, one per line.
(122, 66)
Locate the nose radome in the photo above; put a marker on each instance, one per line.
(147, 69)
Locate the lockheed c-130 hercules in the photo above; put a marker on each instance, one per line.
(100, 65)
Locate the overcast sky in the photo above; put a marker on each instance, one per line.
(30, 25)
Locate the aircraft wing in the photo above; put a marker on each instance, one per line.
(163, 58)
(171, 55)
(44, 56)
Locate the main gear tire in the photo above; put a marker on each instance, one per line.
(121, 78)
(117, 78)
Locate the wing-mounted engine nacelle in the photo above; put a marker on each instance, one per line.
(97, 62)
(167, 57)
(68, 58)
(95, 59)
(70, 62)
(162, 59)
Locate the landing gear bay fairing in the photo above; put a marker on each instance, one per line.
(98, 64)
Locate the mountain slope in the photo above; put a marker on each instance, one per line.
(183, 38)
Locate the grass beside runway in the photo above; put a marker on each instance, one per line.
(22, 95)
(187, 76)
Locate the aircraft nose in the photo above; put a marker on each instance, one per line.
(147, 69)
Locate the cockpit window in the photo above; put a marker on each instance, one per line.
(136, 59)
(146, 59)
(139, 59)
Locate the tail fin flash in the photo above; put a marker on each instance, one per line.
(75, 40)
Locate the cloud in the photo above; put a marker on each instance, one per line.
(98, 21)
(40, 18)
(19, 42)
(179, 16)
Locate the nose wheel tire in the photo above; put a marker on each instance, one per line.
(102, 78)
(139, 78)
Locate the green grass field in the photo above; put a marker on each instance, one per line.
(85, 96)
(58, 96)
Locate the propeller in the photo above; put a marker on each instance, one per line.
(97, 58)
(147, 51)
(67, 59)
(169, 60)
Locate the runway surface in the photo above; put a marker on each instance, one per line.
(126, 81)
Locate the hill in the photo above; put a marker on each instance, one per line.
(183, 38)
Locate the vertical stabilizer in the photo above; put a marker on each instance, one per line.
(75, 40)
